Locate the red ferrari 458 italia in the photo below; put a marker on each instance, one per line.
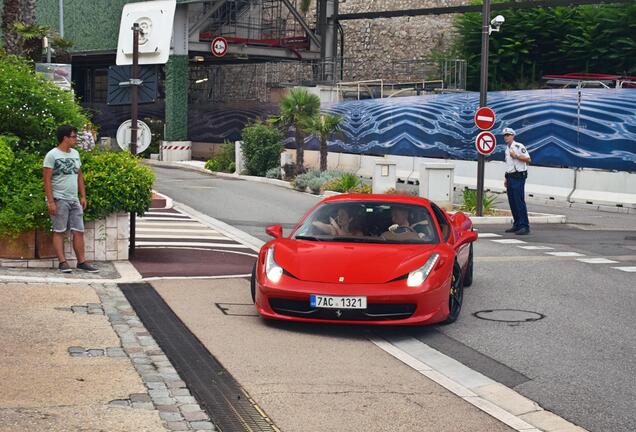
(367, 259)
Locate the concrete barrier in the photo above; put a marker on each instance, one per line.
(605, 188)
(465, 174)
(333, 160)
(494, 176)
(403, 166)
(349, 162)
(311, 159)
(554, 184)
(367, 166)
(172, 151)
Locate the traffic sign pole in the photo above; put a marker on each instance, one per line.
(483, 90)
(134, 107)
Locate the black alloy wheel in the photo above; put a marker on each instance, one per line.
(253, 284)
(456, 295)
(468, 277)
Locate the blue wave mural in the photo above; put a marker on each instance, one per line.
(598, 132)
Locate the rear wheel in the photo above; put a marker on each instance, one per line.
(456, 295)
(253, 284)
(468, 277)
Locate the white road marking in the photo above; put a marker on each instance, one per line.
(629, 269)
(152, 218)
(508, 241)
(166, 214)
(202, 230)
(565, 254)
(181, 236)
(596, 260)
(488, 235)
(536, 247)
(199, 244)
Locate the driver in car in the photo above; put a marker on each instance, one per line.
(403, 229)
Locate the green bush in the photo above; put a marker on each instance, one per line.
(344, 183)
(470, 201)
(224, 160)
(115, 181)
(22, 207)
(6, 161)
(273, 173)
(362, 189)
(538, 41)
(32, 108)
(261, 148)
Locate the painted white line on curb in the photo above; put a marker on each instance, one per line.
(596, 260)
(144, 244)
(565, 254)
(508, 241)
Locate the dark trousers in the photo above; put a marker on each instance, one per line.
(516, 191)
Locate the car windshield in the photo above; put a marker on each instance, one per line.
(369, 222)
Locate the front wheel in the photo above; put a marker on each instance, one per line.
(456, 295)
(468, 277)
(253, 284)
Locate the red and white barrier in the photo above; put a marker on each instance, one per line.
(172, 151)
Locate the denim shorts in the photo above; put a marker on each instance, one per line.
(69, 216)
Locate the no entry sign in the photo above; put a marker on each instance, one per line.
(484, 118)
(219, 46)
(485, 143)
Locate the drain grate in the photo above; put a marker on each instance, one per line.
(509, 315)
(225, 401)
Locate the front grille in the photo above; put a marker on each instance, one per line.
(373, 312)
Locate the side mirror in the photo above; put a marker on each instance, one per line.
(275, 231)
(468, 237)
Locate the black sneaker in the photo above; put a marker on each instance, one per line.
(511, 230)
(64, 267)
(523, 231)
(87, 267)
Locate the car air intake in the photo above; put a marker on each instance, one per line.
(373, 312)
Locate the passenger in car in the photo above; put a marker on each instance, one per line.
(343, 223)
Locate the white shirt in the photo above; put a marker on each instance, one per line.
(516, 165)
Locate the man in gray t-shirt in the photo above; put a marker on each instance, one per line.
(63, 180)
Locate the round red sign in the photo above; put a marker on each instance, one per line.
(485, 118)
(485, 143)
(219, 46)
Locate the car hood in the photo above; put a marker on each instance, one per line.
(357, 263)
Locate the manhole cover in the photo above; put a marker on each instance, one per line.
(509, 315)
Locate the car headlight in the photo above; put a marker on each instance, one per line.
(417, 277)
(272, 269)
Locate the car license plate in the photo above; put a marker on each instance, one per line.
(337, 302)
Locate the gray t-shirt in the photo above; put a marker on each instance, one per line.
(66, 168)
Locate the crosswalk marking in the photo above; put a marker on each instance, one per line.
(535, 247)
(508, 241)
(488, 235)
(201, 230)
(198, 244)
(565, 254)
(629, 269)
(182, 237)
(596, 260)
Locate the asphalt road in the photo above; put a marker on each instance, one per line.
(578, 360)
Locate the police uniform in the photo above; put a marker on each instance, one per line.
(516, 174)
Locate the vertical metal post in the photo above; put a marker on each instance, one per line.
(61, 7)
(483, 91)
(134, 92)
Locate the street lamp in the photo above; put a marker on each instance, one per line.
(487, 28)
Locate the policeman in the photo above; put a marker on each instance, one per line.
(517, 160)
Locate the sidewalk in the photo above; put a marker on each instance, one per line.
(75, 357)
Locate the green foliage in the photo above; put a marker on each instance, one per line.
(396, 191)
(32, 108)
(323, 126)
(345, 183)
(362, 189)
(470, 201)
(261, 148)
(224, 160)
(273, 173)
(314, 180)
(115, 181)
(535, 42)
(22, 207)
(6, 162)
(156, 133)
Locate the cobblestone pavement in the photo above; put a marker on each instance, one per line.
(167, 393)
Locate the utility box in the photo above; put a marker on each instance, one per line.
(436, 182)
(239, 161)
(384, 176)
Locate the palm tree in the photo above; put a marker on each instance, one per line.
(323, 126)
(11, 16)
(296, 109)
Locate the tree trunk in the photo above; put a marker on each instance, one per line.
(11, 15)
(323, 153)
(300, 156)
(28, 11)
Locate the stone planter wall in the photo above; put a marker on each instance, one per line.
(104, 240)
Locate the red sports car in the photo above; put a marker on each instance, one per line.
(367, 259)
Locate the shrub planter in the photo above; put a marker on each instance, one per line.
(104, 240)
